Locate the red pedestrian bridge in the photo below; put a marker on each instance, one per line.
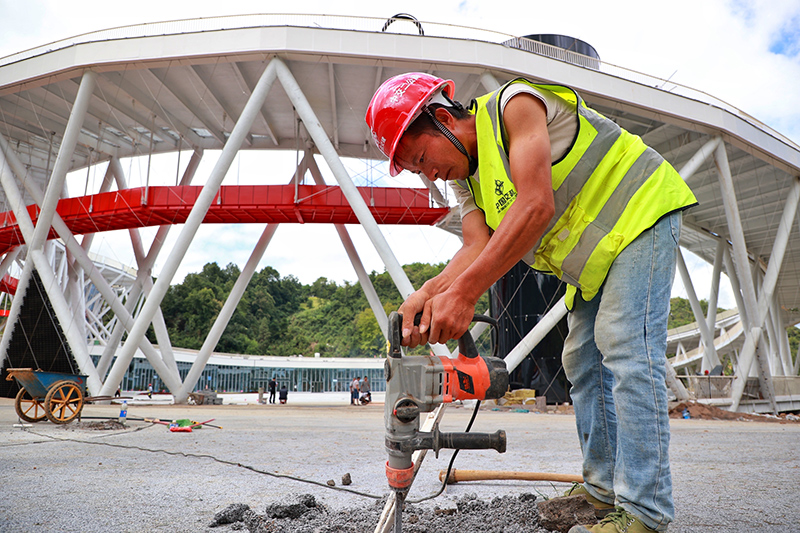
(158, 206)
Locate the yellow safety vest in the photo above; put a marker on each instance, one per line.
(608, 188)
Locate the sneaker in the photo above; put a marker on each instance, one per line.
(619, 521)
(601, 508)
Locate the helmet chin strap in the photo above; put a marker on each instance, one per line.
(473, 162)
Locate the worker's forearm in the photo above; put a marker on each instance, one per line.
(465, 256)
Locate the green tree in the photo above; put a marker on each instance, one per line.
(794, 341)
(280, 316)
(680, 312)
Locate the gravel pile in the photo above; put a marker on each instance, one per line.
(504, 514)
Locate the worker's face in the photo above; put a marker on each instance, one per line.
(433, 154)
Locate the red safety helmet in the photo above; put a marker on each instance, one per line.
(395, 105)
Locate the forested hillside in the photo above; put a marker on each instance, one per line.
(281, 316)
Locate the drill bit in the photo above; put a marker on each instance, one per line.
(398, 511)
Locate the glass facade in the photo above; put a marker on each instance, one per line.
(233, 378)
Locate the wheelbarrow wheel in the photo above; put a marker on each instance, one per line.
(63, 402)
(28, 408)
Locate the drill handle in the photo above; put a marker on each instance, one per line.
(466, 345)
(437, 440)
(473, 441)
(395, 333)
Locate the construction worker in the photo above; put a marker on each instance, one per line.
(541, 177)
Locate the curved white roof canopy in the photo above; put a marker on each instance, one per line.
(165, 87)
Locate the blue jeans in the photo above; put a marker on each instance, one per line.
(614, 357)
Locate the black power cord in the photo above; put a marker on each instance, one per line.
(206, 456)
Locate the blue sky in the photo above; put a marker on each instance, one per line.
(787, 41)
(745, 52)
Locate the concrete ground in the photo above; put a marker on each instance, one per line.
(728, 476)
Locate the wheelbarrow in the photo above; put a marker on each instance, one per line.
(57, 396)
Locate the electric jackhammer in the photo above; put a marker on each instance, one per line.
(418, 384)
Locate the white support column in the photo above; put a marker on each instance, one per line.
(686, 172)
(713, 295)
(88, 266)
(326, 149)
(710, 358)
(37, 238)
(7, 261)
(436, 194)
(737, 290)
(488, 81)
(363, 278)
(19, 295)
(676, 385)
(235, 296)
(63, 160)
(742, 264)
(193, 221)
(95, 275)
(535, 335)
(782, 235)
(691, 166)
(68, 324)
(782, 365)
(796, 366)
(76, 273)
(73, 285)
(144, 273)
(225, 314)
(770, 278)
(786, 350)
(159, 324)
(335, 118)
(771, 336)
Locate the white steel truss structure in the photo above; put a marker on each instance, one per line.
(190, 85)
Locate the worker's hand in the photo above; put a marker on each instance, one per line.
(414, 335)
(451, 316)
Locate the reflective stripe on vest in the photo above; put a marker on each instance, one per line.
(608, 188)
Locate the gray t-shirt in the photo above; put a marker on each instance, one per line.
(562, 124)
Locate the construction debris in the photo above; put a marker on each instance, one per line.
(560, 514)
(518, 397)
(703, 411)
(95, 425)
(231, 514)
(504, 514)
(206, 397)
(306, 504)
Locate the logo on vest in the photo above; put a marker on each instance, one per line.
(504, 199)
(498, 187)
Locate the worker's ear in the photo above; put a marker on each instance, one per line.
(444, 116)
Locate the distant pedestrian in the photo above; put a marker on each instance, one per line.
(150, 390)
(273, 385)
(283, 394)
(366, 395)
(354, 391)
